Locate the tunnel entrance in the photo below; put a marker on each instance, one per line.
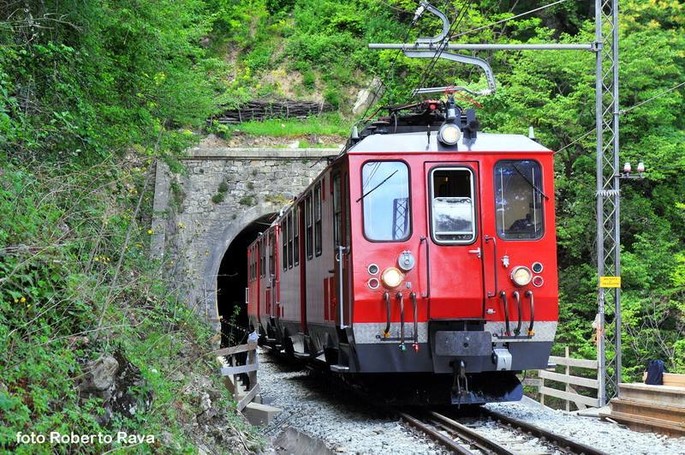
(232, 281)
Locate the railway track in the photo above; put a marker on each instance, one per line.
(493, 433)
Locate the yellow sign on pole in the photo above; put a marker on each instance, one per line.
(609, 281)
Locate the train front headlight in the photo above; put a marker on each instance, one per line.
(449, 134)
(392, 277)
(521, 275)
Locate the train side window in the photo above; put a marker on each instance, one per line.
(290, 239)
(337, 211)
(284, 242)
(317, 219)
(452, 205)
(518, 200)
(272, 253)
(296, 235)
(309, 227)
(262, 259)
(385, 196)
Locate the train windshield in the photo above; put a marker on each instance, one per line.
(518, 200)
(385, 195)
(452, 210)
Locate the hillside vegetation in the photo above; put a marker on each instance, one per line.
(94, 93)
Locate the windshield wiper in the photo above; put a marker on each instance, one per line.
(377, 186)
(532, 185)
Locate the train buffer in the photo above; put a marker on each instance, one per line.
(238, 367)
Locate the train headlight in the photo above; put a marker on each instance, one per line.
(449, 134)
(521, 275)
(392, 277)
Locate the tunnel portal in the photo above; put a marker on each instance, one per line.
(231, 282)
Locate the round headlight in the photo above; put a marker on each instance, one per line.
(392, 277)
(521, 275)
(449, 134)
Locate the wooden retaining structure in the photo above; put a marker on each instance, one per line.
(653, 408)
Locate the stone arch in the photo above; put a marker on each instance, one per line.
(216, 255)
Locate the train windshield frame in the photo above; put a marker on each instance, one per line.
(452, 205)
(519, 204)
(386, 201)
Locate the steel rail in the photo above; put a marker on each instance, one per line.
(481, 442)
(561, 441)
(436, 435)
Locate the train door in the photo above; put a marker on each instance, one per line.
(300, 261)
(272, 277)
(454, 241)
(341, 241)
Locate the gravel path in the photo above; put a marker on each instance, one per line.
(311, 408)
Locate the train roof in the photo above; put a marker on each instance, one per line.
(418, 142)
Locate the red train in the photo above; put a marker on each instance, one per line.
(426, 251)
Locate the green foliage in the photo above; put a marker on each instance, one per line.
(102, 77)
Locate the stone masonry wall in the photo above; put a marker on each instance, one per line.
(198, 213)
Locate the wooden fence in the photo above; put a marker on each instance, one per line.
(569, 394)
(262, 110)
(232, 370)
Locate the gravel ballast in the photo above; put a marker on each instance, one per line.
(314, 412)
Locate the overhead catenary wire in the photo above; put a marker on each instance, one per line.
(659, 95)
(508, 19)
(623, 112)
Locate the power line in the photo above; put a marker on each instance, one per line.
(625, 111)
(509, 19)
(622, 112)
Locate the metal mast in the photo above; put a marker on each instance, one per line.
(608, 199)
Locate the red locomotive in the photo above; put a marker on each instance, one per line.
(426, 250)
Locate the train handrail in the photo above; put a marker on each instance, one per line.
(503, 296)
(487, 238)
(427, 294)
(517, 297)
(342, 250)
(529, 294)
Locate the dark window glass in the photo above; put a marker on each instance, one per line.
(309, 227)
(518, 200)
(317, 219)
(284, 242)
(272, 253)
(296, 235)
(337, 211)
(290, 239)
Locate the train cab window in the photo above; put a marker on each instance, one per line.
(518, 200)
(385, 198)
(452, 205)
